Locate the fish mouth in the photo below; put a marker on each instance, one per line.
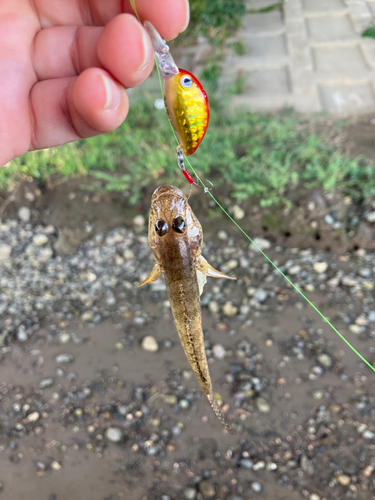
(166, 190)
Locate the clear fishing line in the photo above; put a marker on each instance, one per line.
(208, 191)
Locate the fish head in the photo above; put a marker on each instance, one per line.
(172, 219)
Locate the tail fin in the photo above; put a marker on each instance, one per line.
(218, 413)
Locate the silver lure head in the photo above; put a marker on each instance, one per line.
(167, 66)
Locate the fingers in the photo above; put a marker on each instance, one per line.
(68, 109)
(122, 48)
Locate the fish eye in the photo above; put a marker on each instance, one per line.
(186, 81)
(178, 225)
(161, 227)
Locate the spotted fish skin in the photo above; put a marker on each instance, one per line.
(188, 110)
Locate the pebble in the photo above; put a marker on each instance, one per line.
(320, 267)
(238, 212)
(256, 486)
(344, 480)
(370, 216)
(371, 316)
(325, 360)
(262, 405)
(55, 465)
(294, 270)
(247, 463)
(150, 344)
(113, 434)
(213, 307)
(22, 335)
(64, 358)
(139, 221)
(368, 435)
(307, 465)
(5, 251)
(171, 399)
(40, 240)
(222, 235)
(46, 382)
(260, 295)
(229, 309)
(33, 417)
(361, 321)
(356, 329)
(314, 496)
(207, 489)
(190, 493)
(24, 214)
(87, 316)
(261, 243)
(348, 281)
(218, 351)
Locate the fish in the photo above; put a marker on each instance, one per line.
(185, 99)
(176, 237)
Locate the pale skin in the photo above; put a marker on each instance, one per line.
(65, 66)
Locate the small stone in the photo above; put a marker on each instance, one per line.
(247, 463)
(370, 217)
(113, 434)
(320, 267)
(368, 435)
(318, 394)
(128, 254)
(361, 321)
(325, 360)
(207, 489)
(5, 251)
(190, 493)
(371, 316)
(229, 309)
(40, 240)
(214, 308)
(171, 399)
(87, 316)
(307, 465)
(256, 486)
(310, 287)
(64, 358)
(218, 351)
(348, 281)
(55, 465)
(231, 264)
(260, 295)
(259, 465)
(356, 329)
(139, 221)
(46, 382)
(314, 496)
(222, 235)
(24, 214)
(33, 417)
(368, 285)
(184, 403)
(344, 480)
(263, 406)
(150, 344)
(261, 243)
(22, 335)
(294, 270)
(365, 272)
(238, 212)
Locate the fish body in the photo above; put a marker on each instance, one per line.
(185, 99)
(176, 237)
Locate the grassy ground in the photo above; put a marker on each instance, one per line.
(256, 154)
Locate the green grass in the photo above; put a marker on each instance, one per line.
(256, 154)
(370, 31)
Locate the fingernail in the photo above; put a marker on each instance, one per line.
(146, 48)
(112, 94)
(187, 16)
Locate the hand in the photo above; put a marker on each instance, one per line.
(65, 64)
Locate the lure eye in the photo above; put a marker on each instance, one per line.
(186, 81)
(178, 225)
(161, 227)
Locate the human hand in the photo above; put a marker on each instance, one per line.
(65, 64)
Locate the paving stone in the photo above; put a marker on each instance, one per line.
(329, 28)
(347, 98)
(342, 61)
(268, 81)
(264, 23)
(266, 46)
(323, 5)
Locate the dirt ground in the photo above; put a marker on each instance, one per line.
(67, 455)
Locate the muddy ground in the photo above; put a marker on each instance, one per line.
(305, 430)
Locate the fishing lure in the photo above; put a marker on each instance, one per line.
(185, 100)
(175, 237)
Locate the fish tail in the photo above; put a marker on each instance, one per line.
(218, 413)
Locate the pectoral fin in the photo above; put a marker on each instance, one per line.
(205, 268)
(153, 276)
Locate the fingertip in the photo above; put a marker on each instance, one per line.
(100, 103)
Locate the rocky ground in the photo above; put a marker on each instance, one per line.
(96, 397)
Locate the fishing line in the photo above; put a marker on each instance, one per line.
(207, 190)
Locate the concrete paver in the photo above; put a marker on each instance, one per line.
(309, 55)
